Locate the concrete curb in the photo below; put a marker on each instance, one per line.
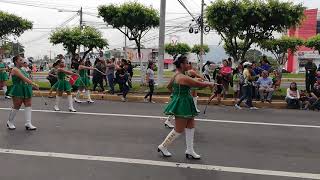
(165, 99)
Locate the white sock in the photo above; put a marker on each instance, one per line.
(78, 94)
(88, 94)
(27, 115)
(12, 114)
(58, 100)
(5, 89)
(70, 101)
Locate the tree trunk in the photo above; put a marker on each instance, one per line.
(86, 53)
(140, 61)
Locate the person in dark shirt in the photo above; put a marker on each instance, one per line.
(311, 69)
(98, 76)
(315, 95)
(88, 64)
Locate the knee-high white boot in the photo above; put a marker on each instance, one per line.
(195, 101)
(27, 114)
(169, 139)
(168, 123)
(5, 89)
(77, 98)
(71, 109)
(89, 97)
(190, 154)
(10, 122)
(56, 106)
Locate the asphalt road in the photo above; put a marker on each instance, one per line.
(114, 140)
(137, 79)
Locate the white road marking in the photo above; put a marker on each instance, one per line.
(162, 163)
(161, 117)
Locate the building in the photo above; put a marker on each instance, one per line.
(309, 28)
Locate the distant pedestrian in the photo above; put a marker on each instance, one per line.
(53, 77)
(110, 74)
(150, 82)
(247, 87)
(97, 76)
(311, 69)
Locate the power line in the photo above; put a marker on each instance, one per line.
(185, 7)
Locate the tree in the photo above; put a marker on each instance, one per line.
(71, 38)
(179, 48)
(253, 55)
(136, 18)
(243, 23)
(11, 48)
(314, 43)
(279, 47)
(12, 25)
(197, 49)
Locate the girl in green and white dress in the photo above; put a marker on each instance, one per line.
(3, 78)
(83, 82)
(21, 93)
(63, 85)
(182, 107)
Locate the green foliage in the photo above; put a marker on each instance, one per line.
(280, 47)
(179, 48)
(197, 48)
(71, 38)
(243, 23)
(11, 48)
(135, 17)
(12, 25)
(253, 55)
(314, 42)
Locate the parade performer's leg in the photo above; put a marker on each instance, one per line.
(168, 123)
(71, 109)
(58, 98)
(189, 131)
(89, 100)
(14, 110)
(28, 115)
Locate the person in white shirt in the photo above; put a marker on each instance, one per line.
(293, 96)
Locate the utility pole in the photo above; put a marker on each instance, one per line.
(80, 14)
(201, 34)
(161, 40)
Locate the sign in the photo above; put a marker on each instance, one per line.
(132, 54)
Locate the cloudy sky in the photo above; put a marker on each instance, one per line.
(46, 16)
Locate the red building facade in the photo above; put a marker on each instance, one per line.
(308, 28)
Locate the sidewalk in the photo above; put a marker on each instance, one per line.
(277, 104)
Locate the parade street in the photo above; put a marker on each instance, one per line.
(115, 140)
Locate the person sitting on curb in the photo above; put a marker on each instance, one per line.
(315, 99)
(265, 86)
(293, 97)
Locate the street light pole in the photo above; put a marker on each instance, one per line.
(161, 41)
(80, 14)
(201, 34)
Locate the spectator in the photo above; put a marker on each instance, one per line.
(88, 64)
(311, 69)
(265, 87)
(315, 96)
(150, 81)
(247, 87)
(130, 71)
(237, 82)
(74, 61)
(110, 74)
(318, 68)
(265, 64)
(52, 77)
(277, 76)
(226, 73)
(293, 97)
(124, 77)
(206, 70)
(98, 76)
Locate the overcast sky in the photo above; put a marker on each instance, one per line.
(45, 20)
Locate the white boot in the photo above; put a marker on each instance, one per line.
(27, 114)
(168, 123)
(195, 101)
(5, 89)
(190, 154)
(169, 139)
(71, 109)
(89, 97)
(76, 99)
(10, 122)
(56, 106)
